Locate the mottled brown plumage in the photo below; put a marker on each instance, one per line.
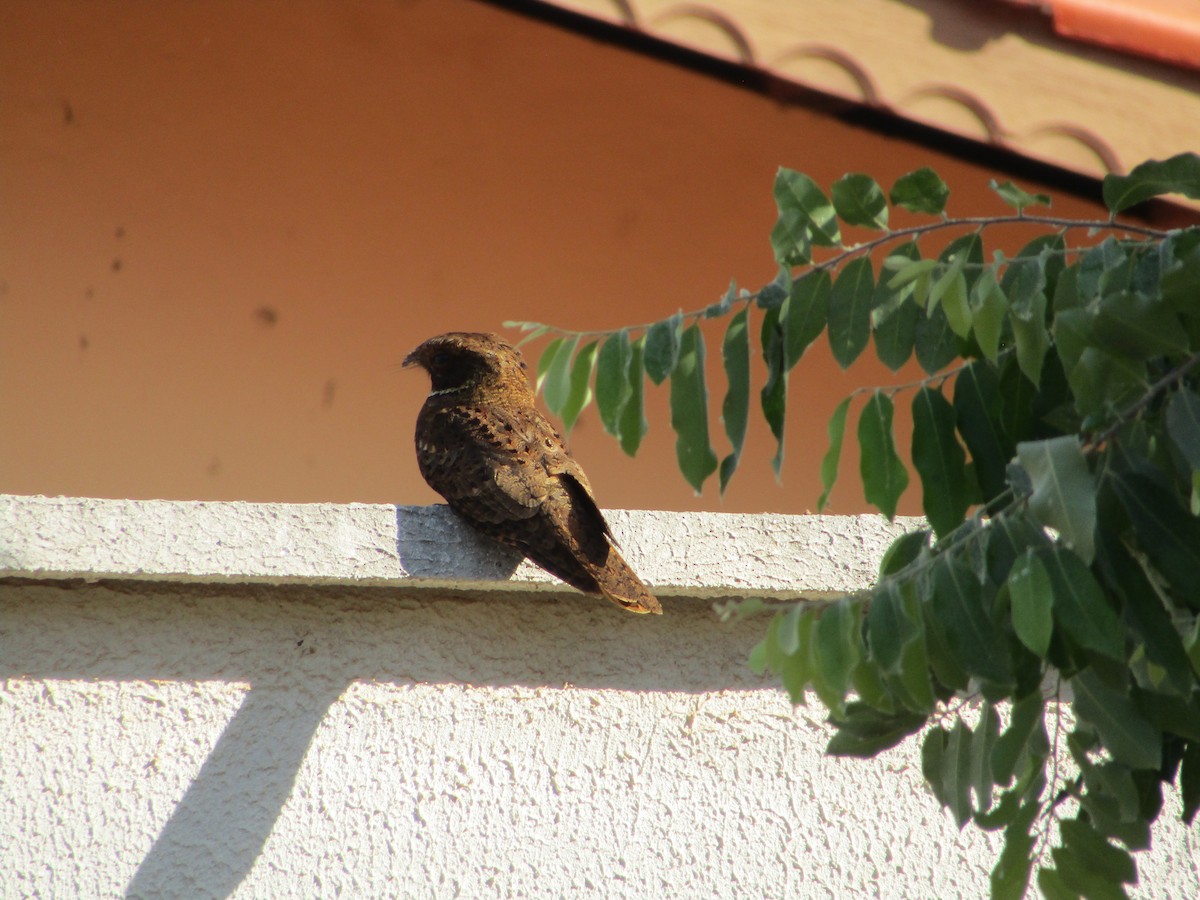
(484, 446)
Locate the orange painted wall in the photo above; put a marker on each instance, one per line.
(223, 224)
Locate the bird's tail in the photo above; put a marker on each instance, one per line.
(621, 585)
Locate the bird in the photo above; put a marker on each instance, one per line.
(485, 447)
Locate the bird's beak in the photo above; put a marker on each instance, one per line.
(410, 360)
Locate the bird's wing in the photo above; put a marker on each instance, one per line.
(502, 465)
(566, 475)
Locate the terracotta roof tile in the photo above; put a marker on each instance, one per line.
(994, 72)
(1160, 29)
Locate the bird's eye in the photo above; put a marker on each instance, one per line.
(441, 358)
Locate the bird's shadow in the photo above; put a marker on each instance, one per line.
(432, 543)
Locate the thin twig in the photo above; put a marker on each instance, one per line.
(936, 378)
(1048, 815)
(1131, 411)
(867, 247)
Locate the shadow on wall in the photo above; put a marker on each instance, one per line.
(300, 648)
(213, 817)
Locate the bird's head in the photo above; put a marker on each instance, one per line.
(460, 362)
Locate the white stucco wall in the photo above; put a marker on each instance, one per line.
(310, 701)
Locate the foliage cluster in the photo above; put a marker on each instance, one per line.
(1056, 589)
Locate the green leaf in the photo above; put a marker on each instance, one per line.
(1078, 880)
(1169, 714)
(774, 393)
(612, 381)
(1103, 382)
(897, 642)
(850, 310)
(1189, 781)
(1032, 596)
(1111, 792)
(1129, 738)
(804, 314)
(1050, 251)
(689, 411)
(864, 732)
(1140, 327)
(1031, 335)
(962, 611)
(1192, 643)
(1010, 877)
(1017, 198)
(662, 348)
(1024, 283)
(556, 387)
(989, 311)
(734, 610)
(935, 342)
(933, 756)
(581, 390)
(788, 636)
(1064, 495)
(889, 627)
(805, 217)
(1001, 814)
(983, 740)
(1025, 736)
(909, 268)
(1146, 615)
(956, 772)
(1111, 863)
(1010, 535)
(940, 461)
(921, 191)
(1183, 425)
(790, 241)
(1072, 332)
(632, 420)
(1166, 532)
(836, 429)
(798, 197)
(1096, 264)
(978, 406)
(1181, 270)
(735, 409)
(874, 689)
(955, 305)
(893, 316)
(1080, 607)
(533, 331)
(1066, 291)
(904, 550)
(1024, 279)
(772, 656)
(796, 669)
(524, 326)
(859, 200)
(951, 262)
(883, 474)
(836, 651)
(757, 660)
(1178, 175)
(1052, 887)
(1022, 402)
(547, 359)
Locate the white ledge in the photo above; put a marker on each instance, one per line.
(678, 554)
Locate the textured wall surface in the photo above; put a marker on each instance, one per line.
(219, 737)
